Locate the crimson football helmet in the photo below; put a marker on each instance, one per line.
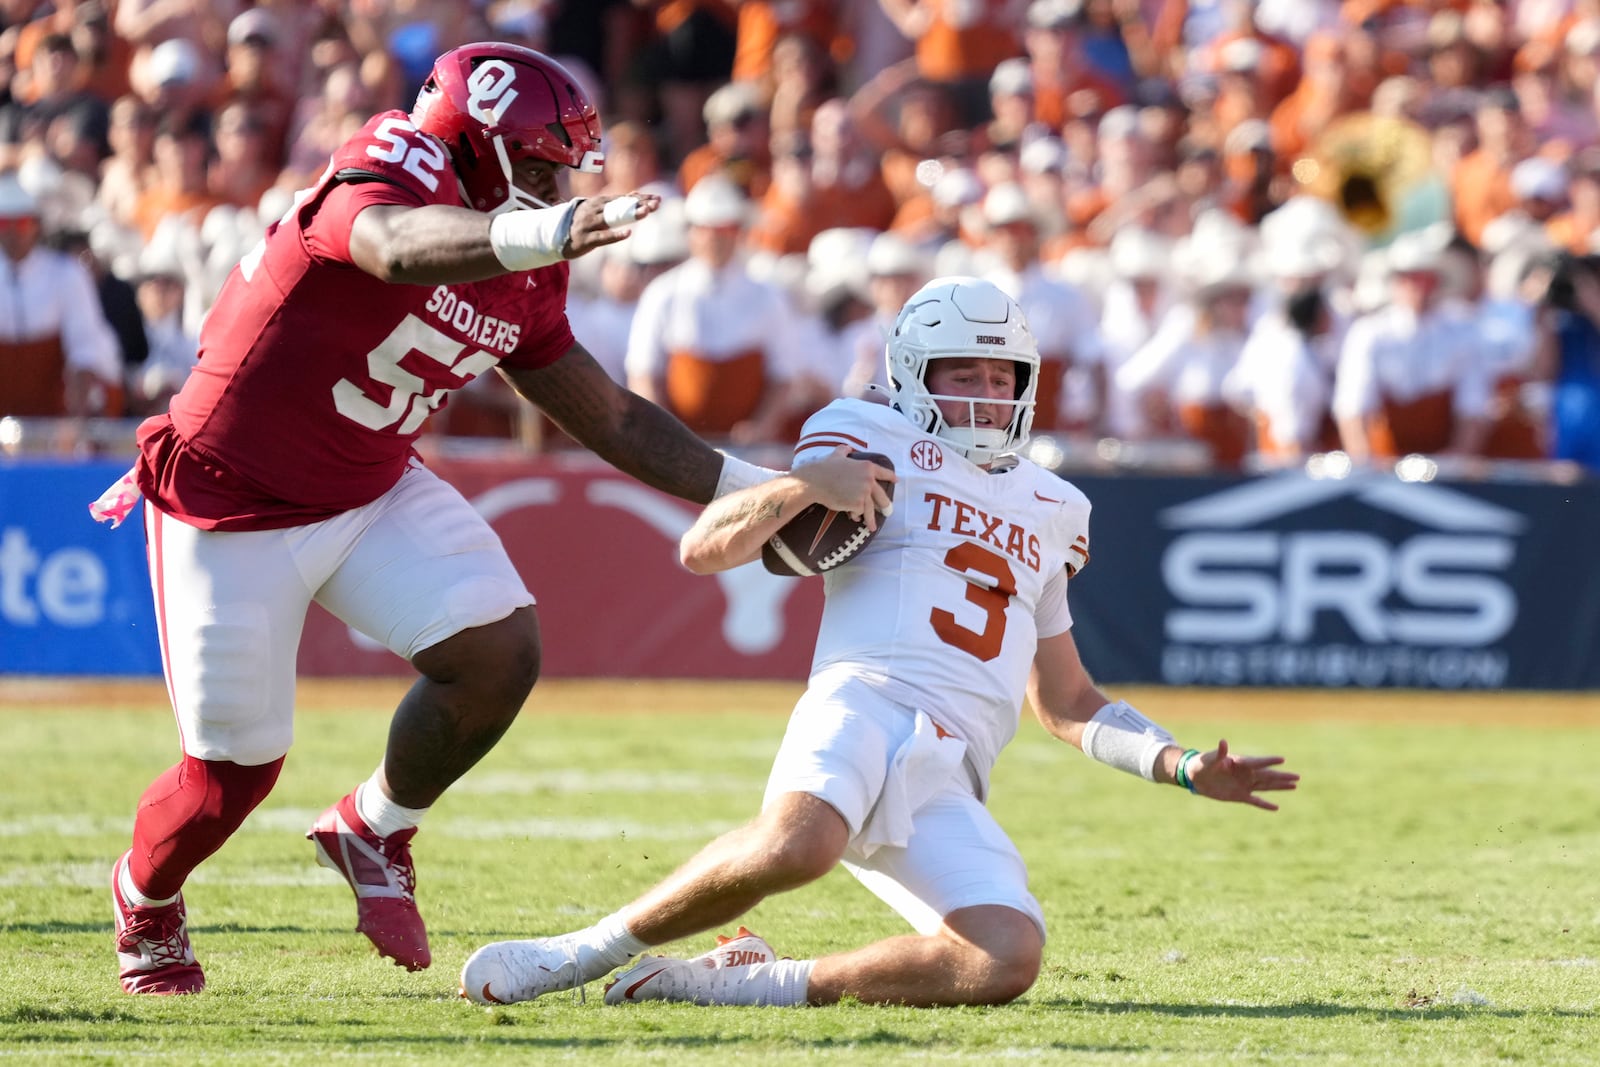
(494, 105)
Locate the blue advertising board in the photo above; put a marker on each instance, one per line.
(1284, 580)
(74, 595)
(1366, 581)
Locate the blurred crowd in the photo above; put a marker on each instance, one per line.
(1261, 230)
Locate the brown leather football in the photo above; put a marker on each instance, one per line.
(818, 539)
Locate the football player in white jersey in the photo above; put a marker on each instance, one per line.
(930, 639)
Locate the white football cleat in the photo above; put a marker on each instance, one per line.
(715, 977)
(740, 950)
(510, 972)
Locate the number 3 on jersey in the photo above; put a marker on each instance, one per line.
(993, 599)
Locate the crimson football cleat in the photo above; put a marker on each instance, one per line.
(379, 870)
(153, 944)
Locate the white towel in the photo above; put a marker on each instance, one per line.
(920, 766)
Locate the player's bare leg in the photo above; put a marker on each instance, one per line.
(796, 840)
(472, 686)
(983, 955)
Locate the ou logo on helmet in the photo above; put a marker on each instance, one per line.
(490, 91)
(927, 455)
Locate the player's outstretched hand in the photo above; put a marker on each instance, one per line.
(591, 229)
(852, 486)
(1221, 775)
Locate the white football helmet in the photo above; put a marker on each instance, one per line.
(968, 318)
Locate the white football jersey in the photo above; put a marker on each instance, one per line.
(944, 608)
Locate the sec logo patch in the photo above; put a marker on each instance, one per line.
(927, 455)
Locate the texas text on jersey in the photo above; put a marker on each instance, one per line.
(969, 569)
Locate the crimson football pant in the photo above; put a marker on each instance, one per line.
(187, 814)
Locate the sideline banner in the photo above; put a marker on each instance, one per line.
(600, 552)
(1364, 582)
(74, 595)
(1284, 580)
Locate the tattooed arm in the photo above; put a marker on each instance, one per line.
(625, 430)
(732, 530)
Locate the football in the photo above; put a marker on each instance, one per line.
(817, 539)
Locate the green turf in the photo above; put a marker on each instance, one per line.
(1428, 897)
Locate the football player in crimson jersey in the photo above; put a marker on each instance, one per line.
(432, 250)
(930, 639)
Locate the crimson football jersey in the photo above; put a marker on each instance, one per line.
(315, 378)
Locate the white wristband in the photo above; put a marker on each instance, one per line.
(525, 239)
(737, 474)
(1120, 737)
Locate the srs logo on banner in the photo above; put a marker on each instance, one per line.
(1267, 595)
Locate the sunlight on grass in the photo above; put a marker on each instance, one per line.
(1427, 897)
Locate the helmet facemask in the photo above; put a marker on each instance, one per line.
(963, 318)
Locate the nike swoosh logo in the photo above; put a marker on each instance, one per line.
(490, 997)
(817, 540)
(1047, 499)
(627, 994)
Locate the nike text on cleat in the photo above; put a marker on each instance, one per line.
(740, 950)
(379, 870)
(510, 972)
(153, 952)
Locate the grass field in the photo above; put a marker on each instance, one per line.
(1429, 896)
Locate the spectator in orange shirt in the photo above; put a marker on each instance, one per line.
(788, 218)
(958, 45)
(737, 148)
(850, 188)
(179, 186)
(1276, 62)
(1053, 39)
(762, 23)
(907, 120)
(1324, 93)
(1481, 184)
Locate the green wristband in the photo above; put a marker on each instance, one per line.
(1181, 777)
